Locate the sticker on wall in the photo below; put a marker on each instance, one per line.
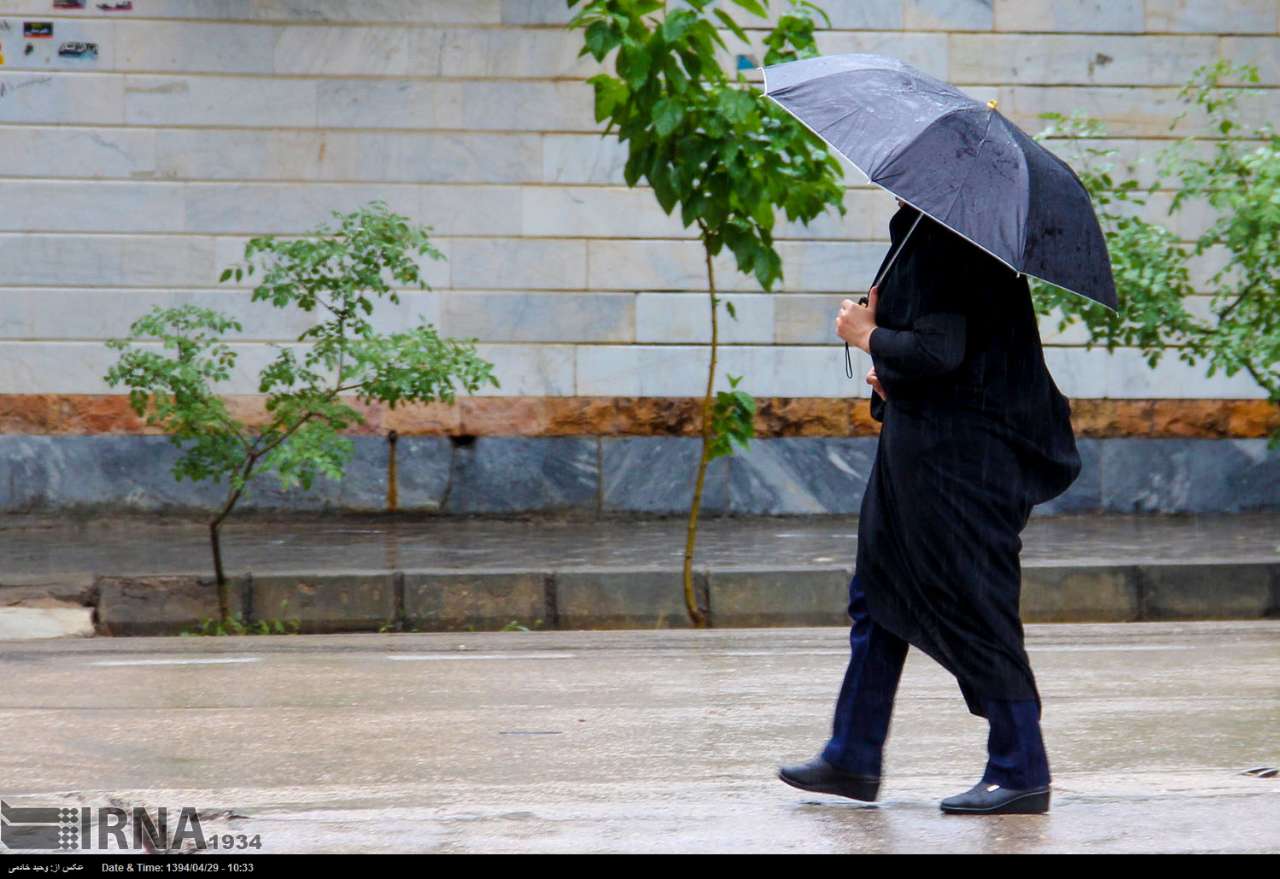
(1, 54)
(31, 47)
(122, 6)
(68, 4)
(78, 50)
(37, 30)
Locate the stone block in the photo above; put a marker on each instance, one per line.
(528, 370)
(808, 318)
(655, 474)
(1212, 16)
(1263, 52)
(947, 15)
(85, 99)
(1104, 16)
(680, 265)
(350, 51)
(535, 12)
(801, 475)
(861, 14)
(539, 317)
(101, 153)
(1206, 591)
(1080, 595)
(1138, 111)
(328, 602)
(505, 52)
(102, 207)
(219, 100)
(506, 474)
(590, 212)
(686, 317)
(197, 47)
(794, 370)
(1050, 59)
(641, 371)
(516, 264)
(781, 597)
(582, 158)
(1188, 475)
(610, 599)
(422, 471)
(162, 605)
(388, 103)
(567, 105)
(284, 208)
(99, 260)
(481, 600)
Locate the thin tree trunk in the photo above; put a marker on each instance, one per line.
(218, 572)
(215, 542)
(696, 615)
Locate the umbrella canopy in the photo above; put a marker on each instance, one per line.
(956, 159)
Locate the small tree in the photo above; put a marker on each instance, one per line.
(340, 270)
(1238, 177)
(706, 142)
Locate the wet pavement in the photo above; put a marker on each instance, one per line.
(42, 547)
(639, 741)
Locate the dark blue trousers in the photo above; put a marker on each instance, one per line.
(1015, 748)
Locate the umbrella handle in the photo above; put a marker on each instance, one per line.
(848, 359)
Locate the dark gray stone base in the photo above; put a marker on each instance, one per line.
(599, 598)
(592, 475)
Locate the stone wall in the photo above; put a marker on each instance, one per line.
(135, 177)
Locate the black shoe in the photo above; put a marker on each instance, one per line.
(986, 798)
(821, 777)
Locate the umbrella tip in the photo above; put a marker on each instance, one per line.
(993, 103)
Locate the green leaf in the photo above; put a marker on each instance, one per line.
(611, 94)
(634, 63)
(754, 7)
(735, 105)
(667, 115)
(732, 25)
(601, 39)
(676, 24)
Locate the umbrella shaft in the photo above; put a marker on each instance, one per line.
(899, 250)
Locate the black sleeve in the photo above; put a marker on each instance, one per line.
(933, 346)
(935, 343)
(877, 406)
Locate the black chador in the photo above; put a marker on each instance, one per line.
(974, 433)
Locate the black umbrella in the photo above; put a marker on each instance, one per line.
(956, 159)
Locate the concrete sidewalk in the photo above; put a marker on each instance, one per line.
(144, 576)
(658, 741)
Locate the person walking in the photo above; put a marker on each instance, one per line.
(974, 433)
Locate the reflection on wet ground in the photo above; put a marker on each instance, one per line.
(644, 741)
(36, 546)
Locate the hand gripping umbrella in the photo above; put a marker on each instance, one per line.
(956, 159)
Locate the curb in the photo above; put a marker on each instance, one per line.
(439, 600)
